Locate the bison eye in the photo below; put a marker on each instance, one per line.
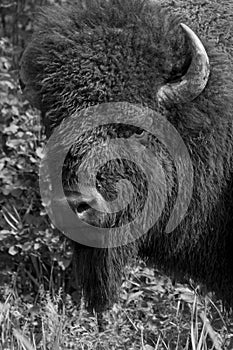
(139, 131)
(83, 206)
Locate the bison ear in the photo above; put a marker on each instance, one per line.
(194, 81)
(28, 79)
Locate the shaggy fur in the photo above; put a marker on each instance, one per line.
(96, 51)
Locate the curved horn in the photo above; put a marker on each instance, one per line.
(196, 78)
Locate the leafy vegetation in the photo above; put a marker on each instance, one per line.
(151, 314)
(35, 313)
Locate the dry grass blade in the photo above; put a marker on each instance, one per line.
(199, 341)
(212, 334)
(23, 341)
(10, 219)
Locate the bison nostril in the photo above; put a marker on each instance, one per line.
(83, 206)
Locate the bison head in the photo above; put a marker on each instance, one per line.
(137, 57)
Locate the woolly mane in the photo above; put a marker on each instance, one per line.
(97, 51)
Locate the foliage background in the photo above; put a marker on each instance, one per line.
(29, 244)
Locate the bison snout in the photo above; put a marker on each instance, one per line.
(89, 206)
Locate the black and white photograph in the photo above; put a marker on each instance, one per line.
(116, 174)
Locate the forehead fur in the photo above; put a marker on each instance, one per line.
(101, 51)
(97, 51)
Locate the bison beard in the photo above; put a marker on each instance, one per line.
(98, 273)
(97, 51)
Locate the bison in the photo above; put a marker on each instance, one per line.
(165, 56)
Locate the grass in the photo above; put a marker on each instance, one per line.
(151, 314)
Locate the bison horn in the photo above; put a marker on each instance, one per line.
(194, 81)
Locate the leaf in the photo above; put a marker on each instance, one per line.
(64, 263)
(39, 152)
(37, 246)
(6, 84)
(14, 143)
(2, 164)
(134, 296)
(15, 111)
(12, 129)
(13, 250)
(148, 347)
(4, 234)
(155, 288)
(26, 246)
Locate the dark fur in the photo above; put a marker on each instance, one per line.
(102, 51)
